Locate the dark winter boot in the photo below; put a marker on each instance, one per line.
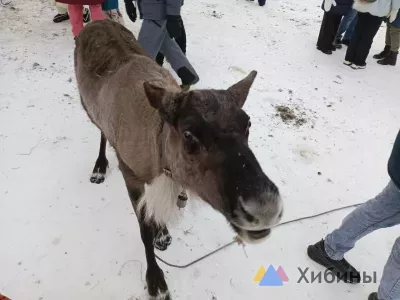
(341, 268)
(390, 60)
(373, 296)
(60, 18)
(261, 2)
(383, 54)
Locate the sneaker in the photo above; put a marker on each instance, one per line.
(347, 63)
(358, 67)
(86, 15)
(341, 268)
(60, 18)
(373, 296)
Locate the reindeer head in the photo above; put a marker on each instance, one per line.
(208, 153)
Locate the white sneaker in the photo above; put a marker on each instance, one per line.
(356, 67)
(347, 63)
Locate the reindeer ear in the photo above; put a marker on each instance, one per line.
(154, 94)
(240, 90)
(162, 100)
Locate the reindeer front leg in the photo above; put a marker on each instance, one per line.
(156, 285)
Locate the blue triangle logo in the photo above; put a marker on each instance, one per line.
(271, 278)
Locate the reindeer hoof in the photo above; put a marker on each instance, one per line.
(163, 240)
(99, 171)
(156, 285)
(161, 296)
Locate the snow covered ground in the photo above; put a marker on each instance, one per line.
(62, 237)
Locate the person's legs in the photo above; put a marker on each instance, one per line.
(388, 35)
(394, 39)
(355, 40)
(389, 287)
(96, 12)
(75, 15)
(181, 40)
(380, 212)
(371, 28)
(345, 23)
(336, 23)
(350, 29)
(151, 36)
(327, 27)
(392, 46)
(179, 62)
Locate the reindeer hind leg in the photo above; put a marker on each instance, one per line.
(100, 168)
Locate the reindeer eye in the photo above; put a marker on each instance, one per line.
(248, 128)
(191, 142)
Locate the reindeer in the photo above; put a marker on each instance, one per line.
(168, 141)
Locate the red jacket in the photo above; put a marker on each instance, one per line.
(82, 2)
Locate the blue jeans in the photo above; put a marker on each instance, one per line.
(347, 26)
(380, 212)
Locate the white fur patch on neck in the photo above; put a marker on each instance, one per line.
(159, 200)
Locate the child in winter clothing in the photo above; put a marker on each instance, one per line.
(161, 24)
(75, 8)
(111, 11)
(369, 19)
(334, 11)
(389, 55)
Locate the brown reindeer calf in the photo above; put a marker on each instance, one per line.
(200, 137)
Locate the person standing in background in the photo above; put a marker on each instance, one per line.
(161, 25)
(371, 14)
(389, 55)
(111, 10)
(346, 27)
(75, 8)
(181, 41)
(62, 13)
(334, 11)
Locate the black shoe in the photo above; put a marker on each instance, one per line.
(373, 296)
(326, 51)
(60, 18)
(341, 268)
(86, 15)
(390, 60)
(261, 2)
(346, 42)
(385, 53)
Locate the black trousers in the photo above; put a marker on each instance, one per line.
(181, 41)
(367, 27)
(329, 27)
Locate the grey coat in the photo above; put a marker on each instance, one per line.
(157, 10)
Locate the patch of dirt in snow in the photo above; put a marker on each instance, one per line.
(292, 115)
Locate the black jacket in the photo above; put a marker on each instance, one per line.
(394, 162)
